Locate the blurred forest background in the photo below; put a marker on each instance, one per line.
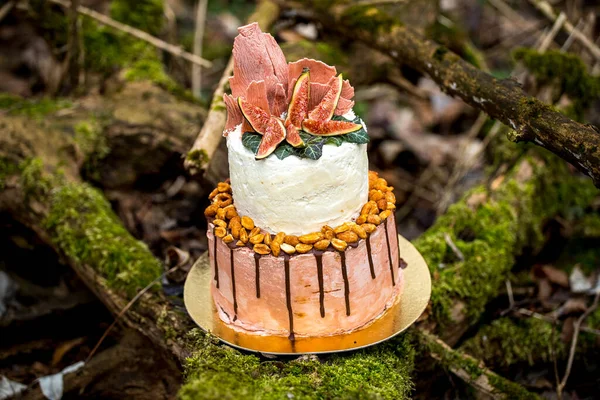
(101, 102)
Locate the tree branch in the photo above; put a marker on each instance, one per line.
(502, 99)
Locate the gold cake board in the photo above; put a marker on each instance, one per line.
(413, 301)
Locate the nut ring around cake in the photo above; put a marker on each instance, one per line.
(411, 303)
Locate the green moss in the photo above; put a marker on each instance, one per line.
(90, 140)
(82, 224)
(567, 72)
(581, 252)
(531, 107)
(218, 104)
(216, 371)
(369, 18)
(593, 321)
(149, 67)
(34, 178)
(146, 15)
(35, 108)
(7, 168)
(163, 322)
(88, 135)
(439, 53)
(492, 233)
(511, 390)
(198, 157)
(505, 342)
(589, 225)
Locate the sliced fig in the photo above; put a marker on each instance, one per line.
(297, 109)
(256, 116)
(324, 110)
(293, 135)
(329, 128)
(274, 134)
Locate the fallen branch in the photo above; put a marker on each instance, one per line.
(154, 41)
(502, 99)
(211, 133)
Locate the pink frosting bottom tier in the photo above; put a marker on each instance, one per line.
(314, 294)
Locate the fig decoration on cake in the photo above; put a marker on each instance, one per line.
(287, 108)
(298, 109)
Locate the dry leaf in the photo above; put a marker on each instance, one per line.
(556, 276)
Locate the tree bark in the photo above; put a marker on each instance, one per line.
(502, 99)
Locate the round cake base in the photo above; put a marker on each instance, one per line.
(412, 302)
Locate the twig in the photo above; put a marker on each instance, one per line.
(508, 12)
(455, 249)
(549, 38)
(72, 59)
(576, 329)
(509, 291)
(156, 42)
(571, 38)
(545, 8)
(6, 9)
(416, 193)
(126, 308)
(198, 37)
(533, 314)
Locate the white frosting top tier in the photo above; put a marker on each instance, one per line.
(299, 195)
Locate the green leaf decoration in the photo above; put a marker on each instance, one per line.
(307, 138)
(334, 140)
(251, 141)
(313, 150)
(284, 150)
(359, 137)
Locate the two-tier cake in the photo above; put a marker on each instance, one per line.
(302, 239)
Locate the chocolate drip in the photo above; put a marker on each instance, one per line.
(319, 258)
(257, 267)
(387, 239)
(235, 307)
(215, 257)
(346, 283)
(370, 257)
(403, 263)
(288, 295)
